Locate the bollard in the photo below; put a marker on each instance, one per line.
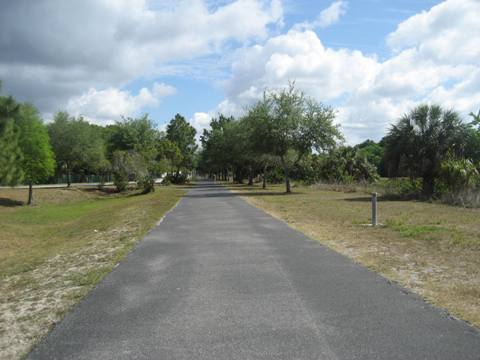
(374, 209)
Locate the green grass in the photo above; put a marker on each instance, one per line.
(29, 235)
(419, 232)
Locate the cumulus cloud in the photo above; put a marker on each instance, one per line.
(109, 105)
(52, 50)
(200, 121)
(448, 33)
(434, 58)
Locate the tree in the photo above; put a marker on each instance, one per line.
(38, 161)
(421, 140)
(169, 155)
(374, 153)
(139, 139)
(289, 126)
(182, 134)
(78, 146)
(129, 165)
(10, 155)
(473, 139)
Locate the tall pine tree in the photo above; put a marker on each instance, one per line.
(11, 172)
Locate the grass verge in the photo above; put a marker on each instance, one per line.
(54, 253)
(430, 248)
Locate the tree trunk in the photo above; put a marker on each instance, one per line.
(287, 183)
(30, 193)
(239, 176)
(250, 176)
(68, 178)
(428, 186)
(287, 179)
(264, 178)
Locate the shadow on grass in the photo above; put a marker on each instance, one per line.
(10, 203)
(381, 198)
(103, 190)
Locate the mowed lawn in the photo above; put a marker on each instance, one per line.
(53, 253)
(430, 248)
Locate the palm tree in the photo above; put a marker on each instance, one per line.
(421, 140)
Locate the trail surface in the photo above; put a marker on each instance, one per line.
(220, 279)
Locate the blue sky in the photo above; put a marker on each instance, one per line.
(372, 60)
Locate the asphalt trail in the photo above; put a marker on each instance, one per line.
(220, 279)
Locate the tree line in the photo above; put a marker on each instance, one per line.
(288, 135)
(133, 149)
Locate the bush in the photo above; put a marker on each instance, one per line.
(403, 188)
(346, 165)
(459, 183)
(458, 175)
(179, 179)
(275, 175)
(120, 180)
(146, 184)
(127, 165)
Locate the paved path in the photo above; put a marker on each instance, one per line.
(220, 279)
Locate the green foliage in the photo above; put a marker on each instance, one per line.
(346, 164)
(11, 156)
(137, 135)
(459, 175)
(374, 153)
(126, 166)
(402, 188)
(289, 126)
(475, 119)
(473, 139)
(182, 134)
(225, 147)
(146, 184)
(421, 140)
(38, 161)
(79, 147)
(174, 178)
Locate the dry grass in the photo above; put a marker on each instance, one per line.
(54, 253)
(433, 249)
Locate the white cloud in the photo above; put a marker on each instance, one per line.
(109, 105)
(200, 121)
(332, 14)
(434, 59)
(327, 17)
(448, 33)
(52, 50)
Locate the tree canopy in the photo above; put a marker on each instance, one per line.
(421, 140)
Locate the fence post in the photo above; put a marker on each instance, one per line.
(374, 209)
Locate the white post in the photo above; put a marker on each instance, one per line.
(374, 209)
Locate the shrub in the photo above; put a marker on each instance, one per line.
(120, 180)
(403, 188)
(459, 175)
(127, 165)
(346, 165)
(146, 184)
(176, 178)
